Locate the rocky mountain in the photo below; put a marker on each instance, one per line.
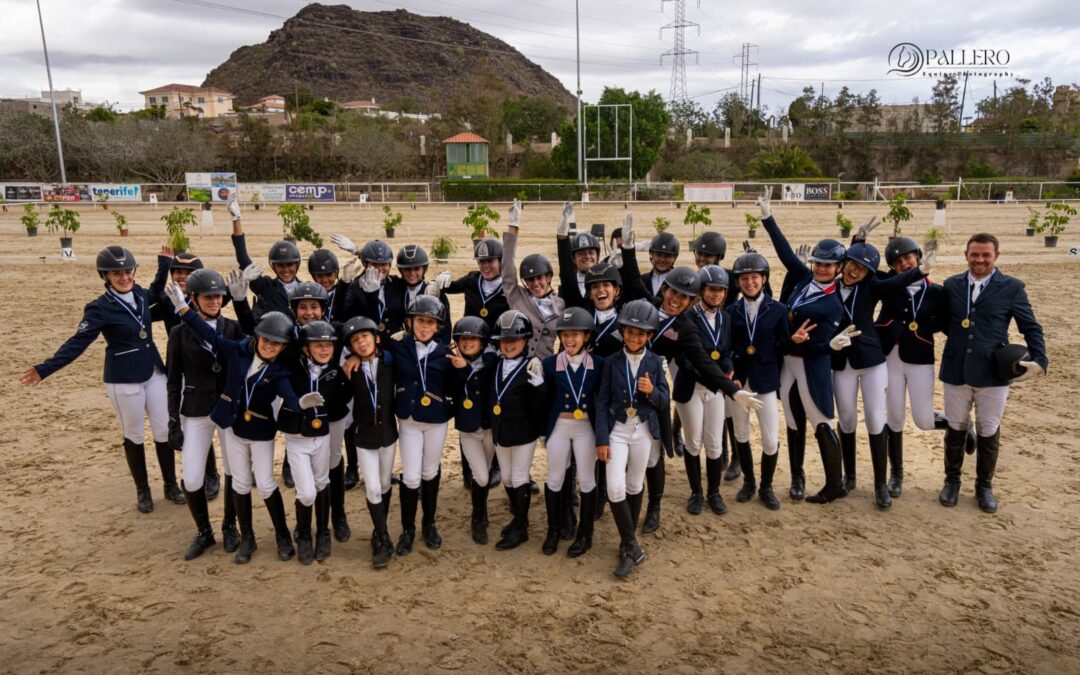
(345, 55)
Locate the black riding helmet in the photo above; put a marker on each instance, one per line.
(472, 326)
(603, 272)
(322, 261)
(488, 248)
(899, 247)
(684, 280)
(115, 259)
(283, 253)
(377, 252)
(575, 318)
(318, 331)
(665, 242)
(512, 324)
(711, 243)
(308, 290)
(582, 241)
(714, 275)
(751, 261)
(186, 261)
(275, 327)
(534, 265)
(426, 305)
(411, 256)
(358, 324)
(640, 314)
(206, 282)
(828, 251)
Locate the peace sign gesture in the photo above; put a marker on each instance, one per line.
(803, 333)
(843, 339)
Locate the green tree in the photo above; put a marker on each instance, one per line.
(944, 105)
(844, 110)
(868, 111)
(532, 117)
(784, 161)
(688, 115)
(102, 114)
(732, 112)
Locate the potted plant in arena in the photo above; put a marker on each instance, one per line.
(661, 224)
(441, 248)
(752, 224)
(256, 202)
(390, 220)
(30, 220)
(1056, 217)
(296, 225)
(697, 215)
(104, 199)
(479, 219)
(844, 223)
(1033, 222)
(898, 212)
(65, 221)
(121, 223)
(176, 224)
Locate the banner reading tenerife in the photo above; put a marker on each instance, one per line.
(709, 192)
(210, 187)
(304, 192)
(116, 192)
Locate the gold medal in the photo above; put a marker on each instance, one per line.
(579, 413)
(631, 412)
(483, 311)
(425, 400)
(382, 327)
(247, 416)
(913, 326)
(316, 423)
(966, 323)
(790, 316)
(715, 355)
(142, 335)
(467, 404)
(751, 350)
(216, 367)
(496, 409)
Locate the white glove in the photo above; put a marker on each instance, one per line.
(442, 280)
(398, 336)
(344, 243)
(312, 400)
(565, 218)
(234, 208)
(370, 280)
(515, 214)
(1031, 371)
(176, 296)
(748, 400)
(616, 258)
(350, 270)
(628, 237)
(764, 203)
(803, 252)
(866, 228)
(843, 338)
(431, 289)
(237, 285)
(535, 371)
(252, 272)
(929, 259)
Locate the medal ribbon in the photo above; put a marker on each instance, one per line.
(484, 298)
(251, 388)
(662, 329)
(499, 393)
(372, 386)
(631, 383)
(581, 390)
(123, 303)
(603, 331)
(922, 296)
(854, 298)
(751, 326)
(714, 336)
(313, 386)
(422, 365)
(801, 300)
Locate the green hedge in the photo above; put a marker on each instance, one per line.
(502, 190)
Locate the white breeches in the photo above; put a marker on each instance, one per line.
(134, 402)
(793, 374)
(768, 416)
(478, 448)
(377, 467)
(917, 381)
(846, 386)
(703, 422)
(309, 459)
(251, 461)
(515, 460)
(989, 403)
(421, 446)
(198, 435)
(575, 436)
(630, 443)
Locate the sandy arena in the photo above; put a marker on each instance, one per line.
(90, 585)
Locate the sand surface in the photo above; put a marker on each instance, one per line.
(89, 584)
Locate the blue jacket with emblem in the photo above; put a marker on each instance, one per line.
(408, 390)
(569, 390)
(613, 397)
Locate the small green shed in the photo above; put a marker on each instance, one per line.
(467, 156)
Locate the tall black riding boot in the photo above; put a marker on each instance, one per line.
(746, 462)
(204, 532)
(734, 469)
(768, 468)
(322, 524)
(466, 470)
(601, 488)
(714, 474)
(986, 456)
(135, 453)
(212, 482)
(847, 451)
(554, 503)
(677, 434)
(286, 473)
(654, 478)
(879, 455)
(954, 464)
(247, 530)
(630, 553)
(583, 540)
(831, 459)
(230, 536)
(275, 507)
(796, 441)
(495, 475)
(696, 502)
(383, 548)
(305, 551)
(166, 458)
(518, 532)
(896, 462)
(351, 461)
(429, 498)
(342, 531)
(409, 498)
(568, 495)
(479, 520)
(635, 506)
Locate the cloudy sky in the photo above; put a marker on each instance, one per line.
(111, 49)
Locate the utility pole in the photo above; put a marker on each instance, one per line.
(758, 106)
(52, 98)
(580, 131)
(963, 98)
(744, 63)
(679, 51)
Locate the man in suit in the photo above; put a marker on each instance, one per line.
(981, 303)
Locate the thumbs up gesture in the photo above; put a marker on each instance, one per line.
(645, 385)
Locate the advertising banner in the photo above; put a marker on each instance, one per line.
(22, 193)
(117, 192)
(817, 192)
(709, 192)
(302, 192)
(792, 192)
(67, 192)
(265, 192)
(210, 187)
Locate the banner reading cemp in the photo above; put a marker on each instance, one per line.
(302, 192)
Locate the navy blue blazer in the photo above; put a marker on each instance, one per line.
(469, 286)
(679, 338)
(474, 386)
(613, 397)
(335, 389)
(606, 338)
(759, 372)
(395, 303)
(893, 323)
(128, 358)
(823, 309)
(375, 427)
(335, 306)
(561, 391)
(270, 294)
(969, 352)
(265, 386)
(568, 283)
(407, 388)
(865, 350)
(720, 342)
(520, 419)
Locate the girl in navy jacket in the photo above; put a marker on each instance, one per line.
(135, 379)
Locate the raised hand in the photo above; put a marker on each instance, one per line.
(929, 258)
(628, 236)
(166, 252)
(803, 252)
(252, 272)
(515, 214)
(234, 208)
(803, 333)
(176, 296)
(562, 227)
(370, 280)
(764, 202)
(237, 285)
(866, 228)
(350, 270)
(442, 280)
(843, 339)
(344, 243)
(645, 385)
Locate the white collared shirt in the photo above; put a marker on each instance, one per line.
(508, 366)
(752, 306)
(605, 315)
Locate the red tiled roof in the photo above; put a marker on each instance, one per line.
(466, 137)
(360, 104)
(185, 89)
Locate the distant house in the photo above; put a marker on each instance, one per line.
(66, 99)
(274, 103)
(366, 107)
(185, 100)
